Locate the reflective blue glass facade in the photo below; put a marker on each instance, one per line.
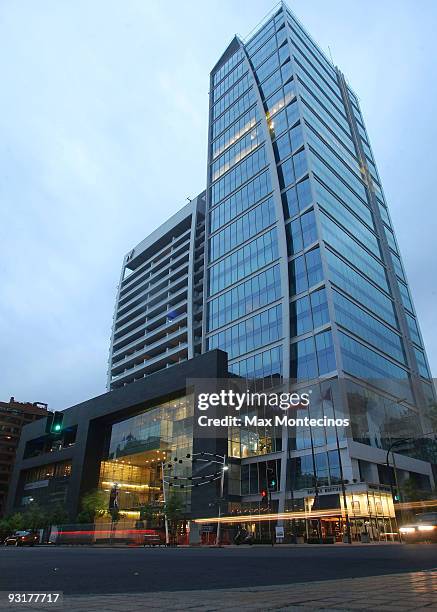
(303, 274)
(293, 186)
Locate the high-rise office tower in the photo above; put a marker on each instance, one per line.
(303, 274)
(158, 313)
(303, 278)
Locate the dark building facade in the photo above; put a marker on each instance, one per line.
(13, 416)
(121, 437)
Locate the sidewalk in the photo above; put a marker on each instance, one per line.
(394, 592)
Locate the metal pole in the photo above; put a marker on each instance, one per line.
(222, 486)
(167, 539)
(395, 475)
(343, 490)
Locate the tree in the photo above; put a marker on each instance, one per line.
(35, 517)
(58, 516)
(94, 505)
(15, 522)
(173, 512)
(150, 513)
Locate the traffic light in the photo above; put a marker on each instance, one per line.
(264, 497)
(54, 422)
(271, 479)
(58, 417)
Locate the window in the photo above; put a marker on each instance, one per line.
(319, 307)
(325, 352)
(303, 360)
(300, 317)
(250, 334)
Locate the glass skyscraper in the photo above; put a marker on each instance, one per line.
(303, 279)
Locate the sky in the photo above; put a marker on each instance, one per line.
(103, 135)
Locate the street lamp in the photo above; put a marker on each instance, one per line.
(222, 486)
(395, 473)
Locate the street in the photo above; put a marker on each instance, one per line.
(86, 570)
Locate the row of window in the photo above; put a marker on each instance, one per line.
(312, 91)
(260, 37)
(334, 97)
(351, 282)
(261, 49)
(288, 142)
(236, 152)
(384, 213)
(226, 83)
(308, 312)
(361, 361)
(421, 362)
(362, 324)
(405, 296)
(305, 271)
(337, 186)
(235, 132)
(334, 140)
(264, 52)
(242, 229)
(296, 199)
(233, 112)
(353, 252)
(321, 109)
(398, 266)
(239, 301)
(339, 210)
(273, 63)
(334, 162)
(312, 48)
(314, 111)
(264, 365)
(227, 66)
(246, 197)
(253, 256)
(312, 357)
(265, 33)
(278, 78)
(391, 239)
(246, 336)
(283, 120)
(301, 233)
(307, 471)
(235, 92)
(238, 175)
(413, 329)
(292, 169)
(279, 100)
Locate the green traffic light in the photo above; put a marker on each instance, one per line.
(57, 427)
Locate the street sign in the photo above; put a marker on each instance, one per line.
(279, 532)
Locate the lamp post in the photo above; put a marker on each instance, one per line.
(395, 473)
(167, 538)
(222, 486)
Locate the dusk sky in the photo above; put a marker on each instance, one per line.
(103, 124)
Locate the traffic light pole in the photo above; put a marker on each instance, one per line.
(272, 537)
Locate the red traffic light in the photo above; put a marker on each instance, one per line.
(263, 493)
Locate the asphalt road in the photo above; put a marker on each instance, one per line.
(86, 570)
